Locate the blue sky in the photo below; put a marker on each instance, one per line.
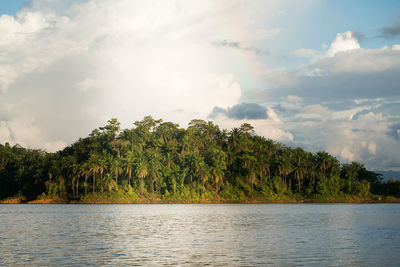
(323, 75)
(10, 7)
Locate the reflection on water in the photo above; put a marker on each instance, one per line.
(222, 234)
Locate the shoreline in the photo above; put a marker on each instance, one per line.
(202, 201)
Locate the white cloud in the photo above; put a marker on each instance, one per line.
(346, 55)
(27, 134)
(349, 101)
(350, 74)
(315, 111)
(363, 138)
(344, 42)
(24, 45)
(67, 67)
(294, 99)
(346, 154)
(271, 127)
(291, 102)
(361, 61)
(372, 148)
(5, 134)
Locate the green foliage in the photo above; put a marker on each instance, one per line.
(360, 189)
(231, 193)
(159, 160)
(279, 185)
(388, 188)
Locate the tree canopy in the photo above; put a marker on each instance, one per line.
(158, 159)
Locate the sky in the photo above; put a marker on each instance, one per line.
(322, 75)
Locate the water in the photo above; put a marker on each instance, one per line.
(194, 235)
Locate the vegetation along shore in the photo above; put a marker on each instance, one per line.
(158, 162)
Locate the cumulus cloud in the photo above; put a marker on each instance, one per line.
(269, 127)
(293, 99)
(27, 134)
(363, 61)
(241, 111)
(348, 101)
(348, 75)
(364, 139)
(290, 102)
(361, 133)
(344, 42)
(367, 137)
(65, 69)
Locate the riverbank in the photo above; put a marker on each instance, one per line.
(18, 200)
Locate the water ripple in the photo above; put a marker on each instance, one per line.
(191, 235)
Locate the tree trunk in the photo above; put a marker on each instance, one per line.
(77, 187)
(50, 176)
(141, 185)
(101, 181)
(94, 181)
(252, 190)
(86, 184)
(73, 186)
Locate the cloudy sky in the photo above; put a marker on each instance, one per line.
(323, 75)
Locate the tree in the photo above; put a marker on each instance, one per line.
(154, 167)
(127, 164)
(116, 167)
(85, 171)
(172, 162)
(94, 167)
(112, 128)
(141, 168)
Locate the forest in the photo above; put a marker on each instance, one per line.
(156, 160)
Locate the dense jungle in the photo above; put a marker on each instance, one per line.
(156, 161)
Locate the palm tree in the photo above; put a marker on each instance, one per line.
(284, 167)
(203, 172)
(141, 168)
(102, 163)
(119, 145)
(154, 167)
(299, 166)
(218, 168)
(85, 170)
(76, 168)
(116, 166)
(127, 163)
(322, 158)
(252, 179)
(94, 167)
(109, 182)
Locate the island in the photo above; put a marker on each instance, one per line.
(159, 162)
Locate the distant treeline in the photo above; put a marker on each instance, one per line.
(157, 159)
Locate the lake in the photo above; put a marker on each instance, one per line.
(201, 234)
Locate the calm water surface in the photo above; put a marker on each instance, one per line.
(216, 235)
